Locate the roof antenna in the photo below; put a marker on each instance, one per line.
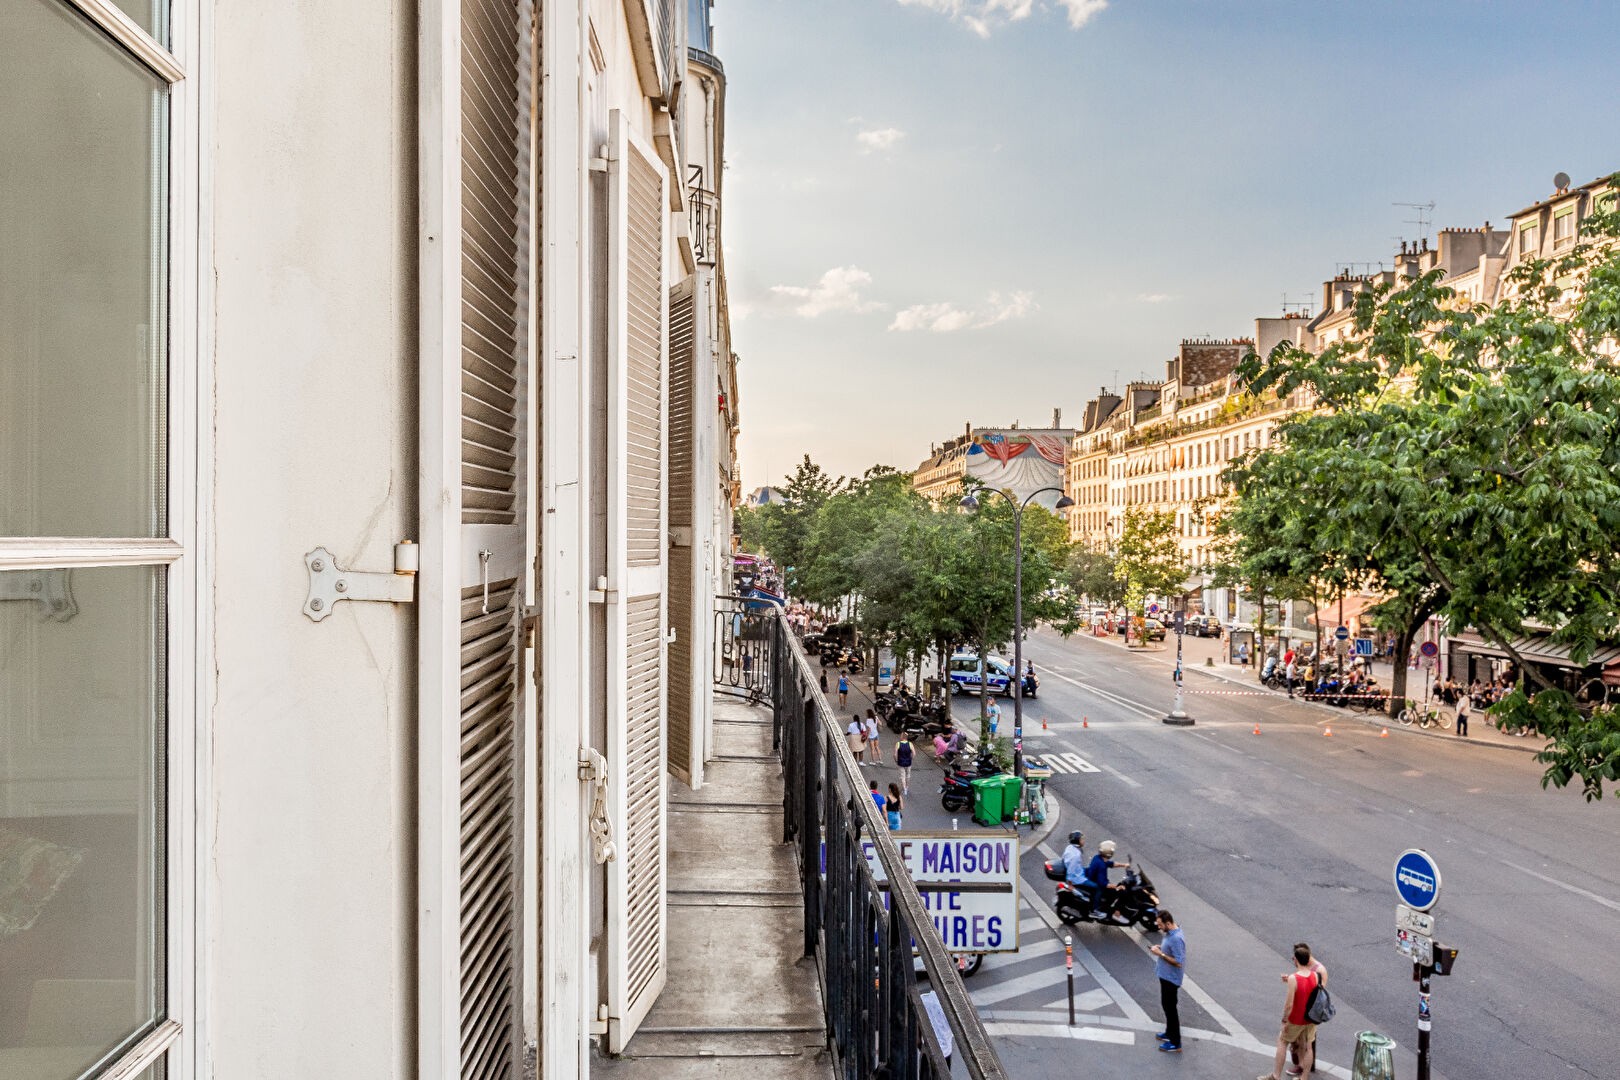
(1424, 215)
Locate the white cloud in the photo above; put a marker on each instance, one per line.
(946, 318)
(838, 290)
(1154, 297)
(983, 17)
(879, 138)
(1082, 11)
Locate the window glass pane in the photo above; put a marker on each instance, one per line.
(83, 280)
(82, 797)
(151, 15)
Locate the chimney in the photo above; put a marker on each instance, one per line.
(1057, 418)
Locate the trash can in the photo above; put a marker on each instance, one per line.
(1012, 796)
(1375, 1057)
(987, 800)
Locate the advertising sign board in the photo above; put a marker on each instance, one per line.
(979, 916)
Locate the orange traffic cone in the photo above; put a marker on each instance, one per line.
(1085, 722)
(1327, 732)
(1043, 723)
(1257, 729)
(1384, 734)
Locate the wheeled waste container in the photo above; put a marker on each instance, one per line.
(987, 800)
(1375, 1057)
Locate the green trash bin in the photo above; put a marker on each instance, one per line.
(1012, 796)
(987, 800)
(1375, 1057)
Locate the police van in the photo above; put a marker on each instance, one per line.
(968, 675)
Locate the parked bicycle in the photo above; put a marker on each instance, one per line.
(1424, 716)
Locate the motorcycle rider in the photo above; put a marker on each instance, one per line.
(1097, 875)
(1074, 858)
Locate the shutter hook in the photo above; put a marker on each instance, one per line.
(483, 567)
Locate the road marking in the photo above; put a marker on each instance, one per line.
(1125, 1002)
(1084, 1002)
(1576, 889)
(1198, 993)
(1134, 706)
(1056, 764)
(1119, 775)
(1062, 1031)
(1080, 763)
(1052, 977)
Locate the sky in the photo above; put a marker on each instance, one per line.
(939, 212)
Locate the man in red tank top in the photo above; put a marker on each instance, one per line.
(1297, 1030)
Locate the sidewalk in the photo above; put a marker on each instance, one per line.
(741, 1000)
(1195, 651)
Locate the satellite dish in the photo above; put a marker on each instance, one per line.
(1561, 181)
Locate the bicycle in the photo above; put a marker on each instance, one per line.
(1425, 717)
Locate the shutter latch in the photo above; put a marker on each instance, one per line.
(593, 769)
(330, 583)
(602, 594)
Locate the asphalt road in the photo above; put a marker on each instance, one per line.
(1258, 841)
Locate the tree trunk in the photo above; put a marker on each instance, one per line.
(1403, 653)
(1260, 636)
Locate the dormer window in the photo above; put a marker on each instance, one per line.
(1529, 239)
(1564, 227)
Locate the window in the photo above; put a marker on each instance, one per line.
(92, 597)
(1564, 227)
(1529, 239)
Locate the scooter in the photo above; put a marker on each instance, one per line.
(956, 791)
(1136, 904)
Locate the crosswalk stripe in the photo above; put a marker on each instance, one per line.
(1080, 763)
(1085, 1001)
(1051, 976)
(1061, 1031)
(1056, 764)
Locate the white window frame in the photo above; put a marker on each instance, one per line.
(179, 1039)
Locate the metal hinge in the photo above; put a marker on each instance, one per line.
(329, 583)
(602, 594)
(51, 589)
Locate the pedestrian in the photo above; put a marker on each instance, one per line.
(1463, 706)
(874, 750)
(823, 680)
(1290, 671)
(1243, 653)
(894, 807)
(877, 796)
(1321, 980)
(857, 736)
(1297, 1029)
(1170, 965)
(994, 713)
(843, 690)
(902, 760)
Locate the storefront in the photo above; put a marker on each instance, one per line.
(1471, 658)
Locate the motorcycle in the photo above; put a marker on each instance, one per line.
(956, 790)
(1134, 905)
(1029, 684)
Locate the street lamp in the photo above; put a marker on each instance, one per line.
(969, 502)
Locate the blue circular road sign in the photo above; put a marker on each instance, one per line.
(1429, 649)
(1417, 879)
(1153, 609)
(1342, 633)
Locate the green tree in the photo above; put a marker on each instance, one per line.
(1148, 558)
(1489, 439)
(1093, 573)
(784, 527)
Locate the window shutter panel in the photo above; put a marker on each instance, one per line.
(637, 526)
(478, 140)
(683, 569)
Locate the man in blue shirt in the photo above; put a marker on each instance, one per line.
(1097, 871)
(877, 796)
(1074, 858)
(1170, 965)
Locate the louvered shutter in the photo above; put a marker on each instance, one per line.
(684, 570)
(637, 525)
(478, 143)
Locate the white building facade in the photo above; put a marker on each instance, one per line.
(365, 501)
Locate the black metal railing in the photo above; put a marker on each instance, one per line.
(866, 937)
(705, 209)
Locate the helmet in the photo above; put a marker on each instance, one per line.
(1077, 838)
(1106, 848)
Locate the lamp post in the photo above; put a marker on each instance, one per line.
(969, 502)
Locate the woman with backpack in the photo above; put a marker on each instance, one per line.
(902, 761)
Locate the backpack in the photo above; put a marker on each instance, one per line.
(902, 754)
(1319, 1007)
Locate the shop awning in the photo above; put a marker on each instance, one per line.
(1538, 647)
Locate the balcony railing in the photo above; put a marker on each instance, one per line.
(861, 934)
(705, 208)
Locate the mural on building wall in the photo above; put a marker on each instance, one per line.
(1019, 462)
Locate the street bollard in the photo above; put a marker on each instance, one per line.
(953, 824)
(1068, 964)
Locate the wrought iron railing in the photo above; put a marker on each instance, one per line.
(867, 938)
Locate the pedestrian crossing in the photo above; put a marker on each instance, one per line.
(1031, 985)
(1067, 762)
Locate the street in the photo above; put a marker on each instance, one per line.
(1259, 841)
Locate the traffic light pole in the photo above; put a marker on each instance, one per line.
(1420, 973)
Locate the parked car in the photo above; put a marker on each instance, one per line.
(965, 672)
(1204, 626)
(1152, 630)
